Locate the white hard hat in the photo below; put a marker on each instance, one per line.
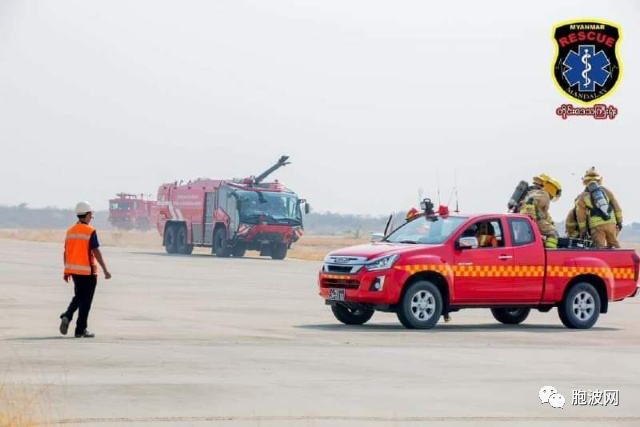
(83, 208)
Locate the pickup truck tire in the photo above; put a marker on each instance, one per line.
(580, 308)
(420, 306)
(350, 316)
(511, 315)
(171, 239)
(220, 245)
(181, 242)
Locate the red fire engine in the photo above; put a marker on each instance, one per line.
(131, 211)
(231, 216)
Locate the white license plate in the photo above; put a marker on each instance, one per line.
(336, 294)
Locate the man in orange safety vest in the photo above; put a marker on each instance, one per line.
(80, 255)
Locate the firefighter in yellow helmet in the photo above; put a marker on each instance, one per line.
(536, 204)
(598, 210)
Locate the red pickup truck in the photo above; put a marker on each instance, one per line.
(436, 264)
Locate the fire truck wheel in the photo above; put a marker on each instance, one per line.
(239, 250)
(171, 239)
(220, 246)
(510, 315)
(351, 316)
(580, 307)
(181, 243)
(279, 251)
(420, 306)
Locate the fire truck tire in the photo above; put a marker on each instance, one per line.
(349, 316)
(279, 251)
(171, 239)
(511, 315)
(239, 250)
(420, 306)
(181, 242)
(580, 307)
(220, 246)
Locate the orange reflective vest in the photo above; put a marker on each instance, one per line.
(78, 257)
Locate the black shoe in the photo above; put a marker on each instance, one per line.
(85, 334)
(64, 324)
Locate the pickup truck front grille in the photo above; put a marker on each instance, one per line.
(343, 264)
(338, 269)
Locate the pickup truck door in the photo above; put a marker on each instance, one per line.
(482, 275)
(529, 261)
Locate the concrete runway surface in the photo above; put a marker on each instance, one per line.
(198, 340)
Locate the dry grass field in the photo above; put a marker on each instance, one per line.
(309, 247)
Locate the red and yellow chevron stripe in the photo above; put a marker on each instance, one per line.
(517, 270)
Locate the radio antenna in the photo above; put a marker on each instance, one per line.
(438, 185)
(455, 187)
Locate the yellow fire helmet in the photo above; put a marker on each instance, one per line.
(540, 179)
(552, 187)
(591, 175)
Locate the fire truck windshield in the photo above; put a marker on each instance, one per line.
(426, 231)
(269, 207)
(120, 206)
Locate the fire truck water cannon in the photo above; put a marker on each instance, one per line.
(282, 161)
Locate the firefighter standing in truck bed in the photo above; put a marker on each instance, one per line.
(598, 212)
(80, 255)
(536, 204)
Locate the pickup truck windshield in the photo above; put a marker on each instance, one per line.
(274, 208)
(430, 232)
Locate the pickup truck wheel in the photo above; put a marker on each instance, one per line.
(420, 306)
(181, 242)
(348, 316)
(220, 246)
(171, 239)
(511, 315)
(580, 308)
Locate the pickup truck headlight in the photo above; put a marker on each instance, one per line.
(381, 263)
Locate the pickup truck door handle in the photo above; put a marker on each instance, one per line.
(505, 257)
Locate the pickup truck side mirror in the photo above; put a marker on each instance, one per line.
(468, 243)
(376, 237)
(307, 208)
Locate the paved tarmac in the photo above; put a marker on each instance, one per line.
(198, 340)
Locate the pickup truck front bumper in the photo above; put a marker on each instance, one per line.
(361, 287)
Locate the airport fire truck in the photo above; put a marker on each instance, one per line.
(230, 216)
(131, 211)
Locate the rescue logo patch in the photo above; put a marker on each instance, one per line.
(586, 67)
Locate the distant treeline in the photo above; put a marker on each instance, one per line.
(49, 218)
(327, 223)
(315, 223)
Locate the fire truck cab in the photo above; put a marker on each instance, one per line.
(130, 211)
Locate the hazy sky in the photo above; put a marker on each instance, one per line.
(371, 99)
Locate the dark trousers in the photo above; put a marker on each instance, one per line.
(84, 288)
